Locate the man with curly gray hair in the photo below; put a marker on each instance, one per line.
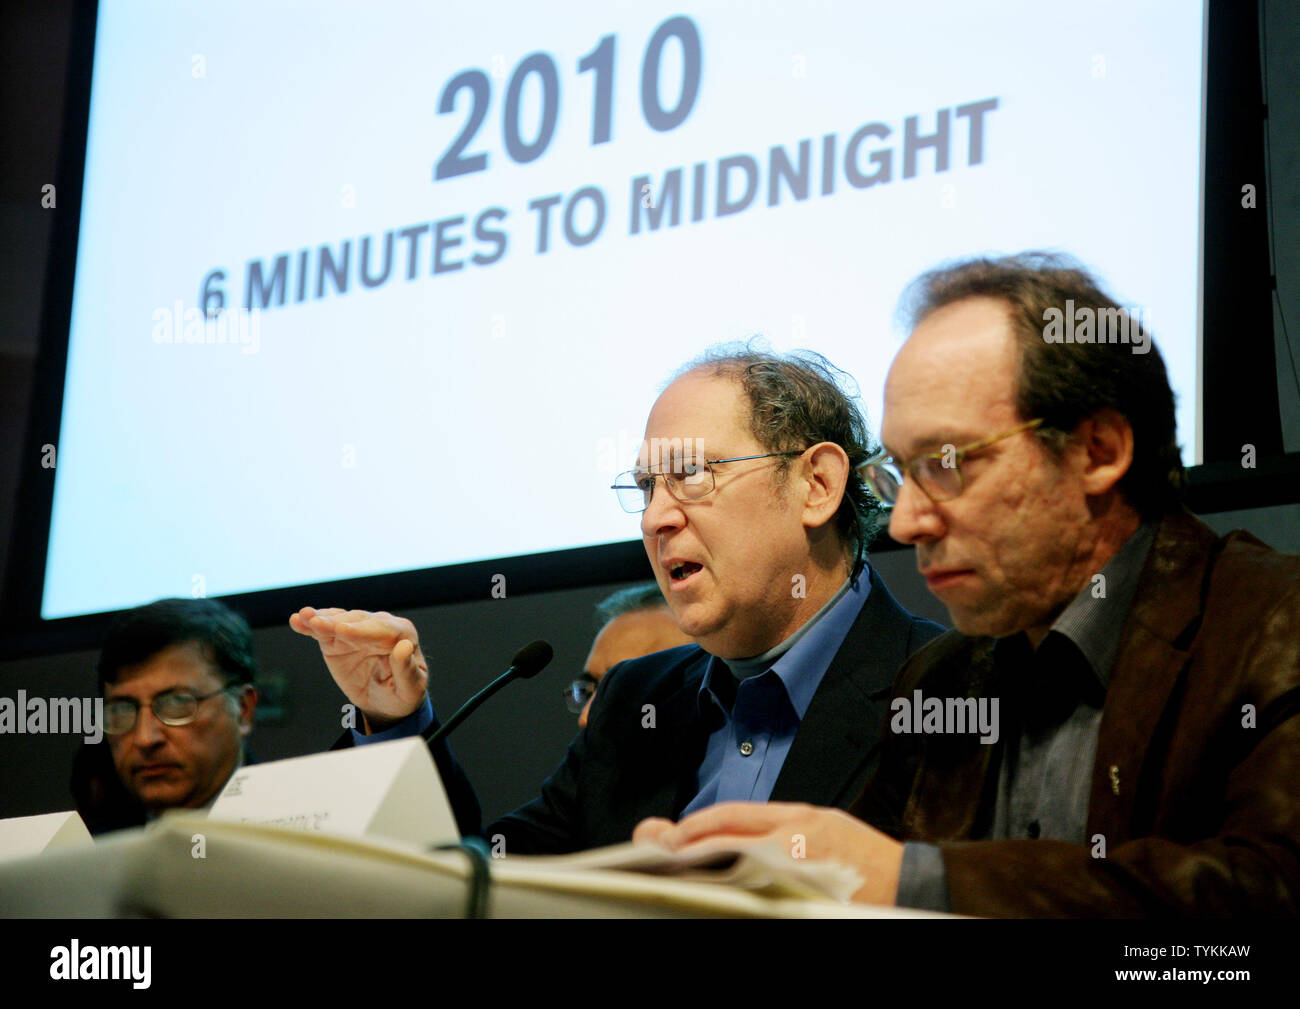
(755, 521)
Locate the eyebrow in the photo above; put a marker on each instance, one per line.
(691, 456)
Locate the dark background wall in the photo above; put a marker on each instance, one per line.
(515, 741)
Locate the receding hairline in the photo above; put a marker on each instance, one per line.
(1012, 341)
(744, 406)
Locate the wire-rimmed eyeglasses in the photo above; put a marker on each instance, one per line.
(937, 474)
(172, 707)
(690, 482)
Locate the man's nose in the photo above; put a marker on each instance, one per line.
(586, 710)
(149, 731)
(664, 512)
(914, 517)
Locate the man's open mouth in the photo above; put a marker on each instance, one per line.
(683, 570)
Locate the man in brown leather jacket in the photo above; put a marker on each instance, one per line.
(1114, 726)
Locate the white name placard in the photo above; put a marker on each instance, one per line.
(390, 790)
(31, 835)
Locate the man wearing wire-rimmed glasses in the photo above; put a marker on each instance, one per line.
(1147, 669)
(177, 678)
(756, 522)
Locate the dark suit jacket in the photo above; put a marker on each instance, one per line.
(1196, 784)
(617, 772)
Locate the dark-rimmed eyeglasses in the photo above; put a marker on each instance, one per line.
(172, 707)
(691, 482)
(937, 474)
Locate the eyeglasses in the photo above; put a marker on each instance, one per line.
(578, 693)
(937, 473)
(173, 707)
(693, 481)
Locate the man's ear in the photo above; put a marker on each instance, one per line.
(825, 474)
(247, 707)
(1106, 442)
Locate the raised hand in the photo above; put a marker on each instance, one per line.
(375, 659)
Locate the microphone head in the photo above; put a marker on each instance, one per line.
(532, 659)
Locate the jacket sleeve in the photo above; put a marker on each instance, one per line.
(555, 823)
(551, 823)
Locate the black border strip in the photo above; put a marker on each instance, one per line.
(1238, 364)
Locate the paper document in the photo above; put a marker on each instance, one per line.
(764, 867)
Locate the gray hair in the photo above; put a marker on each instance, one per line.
(633, 599)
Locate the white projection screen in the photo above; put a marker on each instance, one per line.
(371, 288)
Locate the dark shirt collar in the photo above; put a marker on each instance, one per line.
(1095, 617)
(799, 662)
(1073, 662)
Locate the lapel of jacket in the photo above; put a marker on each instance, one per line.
(1153, 652)
(841, 728)
(679, 740)
(955, 784)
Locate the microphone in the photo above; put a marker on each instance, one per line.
(528, 661)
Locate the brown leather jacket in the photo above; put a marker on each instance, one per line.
(1196, 784)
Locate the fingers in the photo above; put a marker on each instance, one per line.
(735, 819)
(379, 632)
(320, 624)
(650, 830)
(409, 669)
(337, 618)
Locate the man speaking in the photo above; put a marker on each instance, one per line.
(755, 520)
(1146, 671)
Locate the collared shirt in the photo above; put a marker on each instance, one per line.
(1045, 771)
(756, 704)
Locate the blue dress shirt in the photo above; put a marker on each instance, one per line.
(757, 704)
